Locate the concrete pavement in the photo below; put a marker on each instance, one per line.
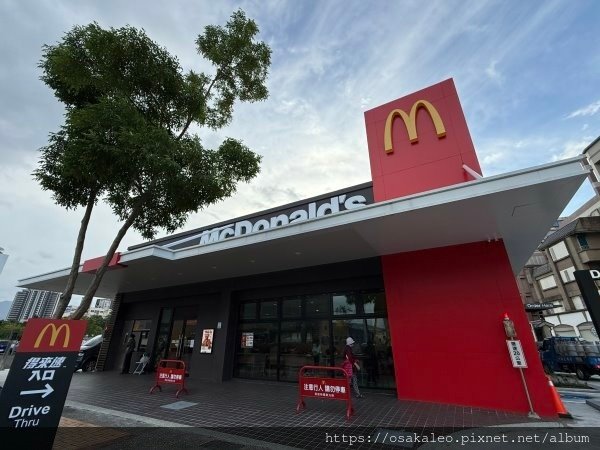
(149, 425)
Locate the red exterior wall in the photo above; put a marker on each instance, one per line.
(445, 310)
(431, 162)
(446, 305)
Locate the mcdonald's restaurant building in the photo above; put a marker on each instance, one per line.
(416, 265)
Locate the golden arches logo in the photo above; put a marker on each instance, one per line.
(410, 121)
(54, 335)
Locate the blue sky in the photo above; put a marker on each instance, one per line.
(526, 72)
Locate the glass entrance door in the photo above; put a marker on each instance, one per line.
(183, 337)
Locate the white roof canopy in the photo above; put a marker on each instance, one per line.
(518, 207)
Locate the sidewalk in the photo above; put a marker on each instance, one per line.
(117, 411)
(247, 403)
(111, 429)
(262, 414)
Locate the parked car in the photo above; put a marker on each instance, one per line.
(571, 354)
(4, 347)
(88, 354)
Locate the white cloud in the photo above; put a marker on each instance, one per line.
(330, 63)
(571, 149)
(493, 157)
(588, 110)
(493, 73)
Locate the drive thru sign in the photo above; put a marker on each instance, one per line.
(34, 394)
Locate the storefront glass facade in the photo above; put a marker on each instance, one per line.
(277, 336)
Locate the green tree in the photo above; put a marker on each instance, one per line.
(11, 330)
(126, 137)
(95, 325)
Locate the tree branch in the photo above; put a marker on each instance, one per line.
(190, 118)
(212, 84)
(65, 297)
(89, 295)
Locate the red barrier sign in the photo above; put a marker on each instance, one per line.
(170, 371)
(324, 387)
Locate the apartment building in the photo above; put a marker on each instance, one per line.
(32, 303)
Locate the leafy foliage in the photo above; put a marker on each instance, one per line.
(11, 330)
(95, 325)
(126, 136)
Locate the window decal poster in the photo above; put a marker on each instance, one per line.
(207, 340)
(247, 340)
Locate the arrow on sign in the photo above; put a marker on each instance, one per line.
(45, 392)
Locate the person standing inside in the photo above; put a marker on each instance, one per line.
(130, 347)
(350, 365)
(316, 353)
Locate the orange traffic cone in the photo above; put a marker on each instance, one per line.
(558, 404)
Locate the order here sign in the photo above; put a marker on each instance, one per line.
(36, 387)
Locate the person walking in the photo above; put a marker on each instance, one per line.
(351, 366)
(130, 347)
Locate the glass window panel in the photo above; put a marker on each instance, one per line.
(344, 304)
(317, 336)
(374, 303)
(317, 305)
(354, 328)
(248, 310)
(303, 343)
(588, 332)
(547, 282)
(276, 350)
(127, 329)
(577, 302)
(141, 325)
(378, 360)
(568, 274)
(162, 336)
(565, 330)
(142, 341)
(268, 309)
(256, 355)
(291, 307)
(583, 243)
(559, 251)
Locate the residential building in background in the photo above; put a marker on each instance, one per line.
(69, 310)
(103, 303)
(550, 279)
(547, 280)
(592, 153)
(102, 307)
(17, 305)
(32, 303)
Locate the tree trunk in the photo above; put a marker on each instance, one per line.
(89, 295)
(65, 297)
